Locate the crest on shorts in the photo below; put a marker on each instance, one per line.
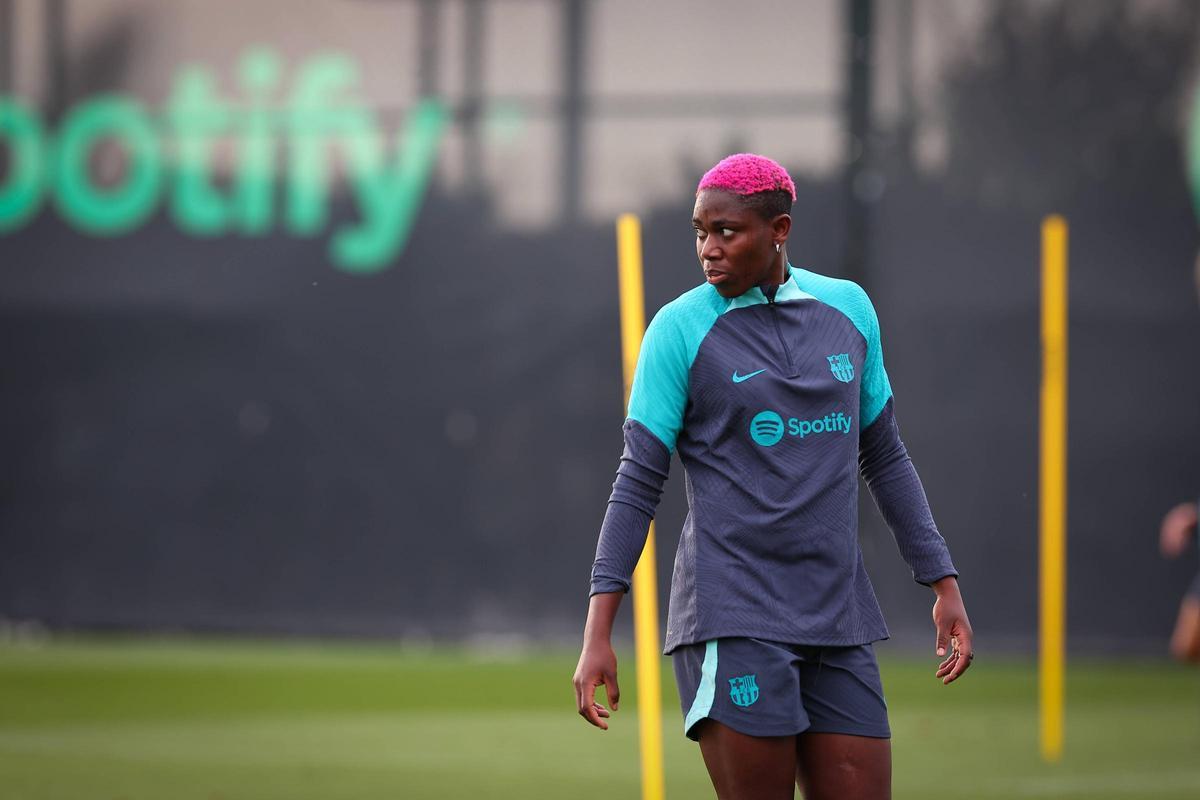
(743, 691)
(841, 367)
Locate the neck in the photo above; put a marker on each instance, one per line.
(778, 272)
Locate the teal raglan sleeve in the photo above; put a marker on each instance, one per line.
(849, 298)
(660, 382)
(874, 389)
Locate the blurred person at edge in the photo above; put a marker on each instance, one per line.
(1178, 528)
(769, 381)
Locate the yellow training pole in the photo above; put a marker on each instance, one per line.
(1053, 487)
(645, 588)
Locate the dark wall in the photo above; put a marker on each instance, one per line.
(231, 434)
(428, 451)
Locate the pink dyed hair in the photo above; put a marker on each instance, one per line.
(747, 173)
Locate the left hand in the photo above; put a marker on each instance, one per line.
(953, 630)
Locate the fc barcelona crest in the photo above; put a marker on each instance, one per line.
(841, 367)
(743, 691)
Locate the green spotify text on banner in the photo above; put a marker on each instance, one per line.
(168, 159)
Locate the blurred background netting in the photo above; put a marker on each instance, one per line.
(309, 316)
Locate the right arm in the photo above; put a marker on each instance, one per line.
(656, 405)
(635, 496)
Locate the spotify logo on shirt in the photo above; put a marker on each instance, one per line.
(767, 428)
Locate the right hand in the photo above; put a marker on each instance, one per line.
(597, 667)
(1177, 528)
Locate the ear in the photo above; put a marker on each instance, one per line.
(781, 226)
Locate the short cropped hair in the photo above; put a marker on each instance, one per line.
(761, 182)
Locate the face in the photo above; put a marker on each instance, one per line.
(735, 245)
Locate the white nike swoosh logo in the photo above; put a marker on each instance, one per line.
(739, 378)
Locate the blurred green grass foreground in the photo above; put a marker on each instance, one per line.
(136, 719)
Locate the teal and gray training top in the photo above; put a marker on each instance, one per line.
(775, 402)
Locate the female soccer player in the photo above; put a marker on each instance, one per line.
(769, 382)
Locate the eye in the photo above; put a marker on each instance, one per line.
(699, 232)
(726, 232)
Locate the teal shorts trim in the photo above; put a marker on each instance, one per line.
(763, 688)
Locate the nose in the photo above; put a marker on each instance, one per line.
(710, 249)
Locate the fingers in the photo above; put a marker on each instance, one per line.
(958, 662)
(588, 708)
(943, 639)
(585, 699)
(596, 714)
(961, 664)
(592, 715)
(582, 698)
(614, 691)
(947, 667)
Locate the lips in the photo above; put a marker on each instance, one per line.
(715, 275)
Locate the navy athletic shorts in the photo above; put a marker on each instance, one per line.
(763, 688)
(1194, 590)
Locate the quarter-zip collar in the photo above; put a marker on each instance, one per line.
(789, 290)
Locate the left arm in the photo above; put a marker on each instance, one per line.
(892, 479)
(890, 475)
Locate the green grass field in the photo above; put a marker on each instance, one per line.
(223, 720)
